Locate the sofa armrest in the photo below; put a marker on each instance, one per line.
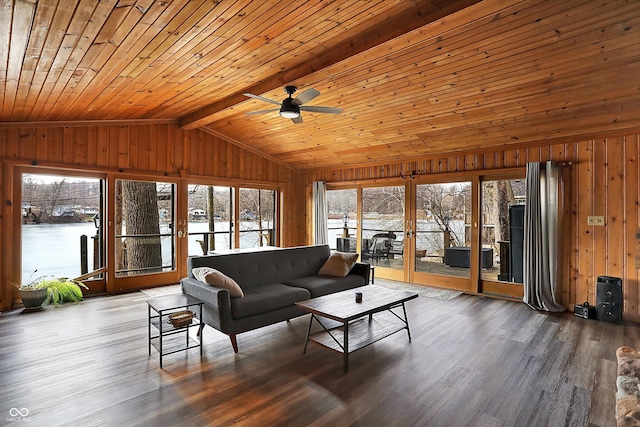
(217, 302)
(362, 269)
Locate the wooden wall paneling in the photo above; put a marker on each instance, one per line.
(113, 153)
(196, 154)
(209, 157)
(11, 142)
(229, 159)
(220, 158)
(92, 145)
(152, 149)
(27, 144)
(532, 154)
(615, 221)
(134, 137)
(79, 144)
(571, 244)
(587, 195)
(102, 146)
(599, 206)
(471, 162)
(180, 151)
(631, 275)
(143, 147)
(54, 146)
(67, 145)
(123, 147)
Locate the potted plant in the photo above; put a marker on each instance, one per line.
(49, 289)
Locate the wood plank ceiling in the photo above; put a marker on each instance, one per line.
(414, 78)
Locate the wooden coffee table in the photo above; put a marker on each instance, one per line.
(344, 326)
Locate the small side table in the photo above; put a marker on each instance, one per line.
(168, 339)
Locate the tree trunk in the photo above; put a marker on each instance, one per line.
(503, 199)
(141, 218)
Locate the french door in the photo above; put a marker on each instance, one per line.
(145, 232)
(443, 232)
(383, 238)
(452, 231)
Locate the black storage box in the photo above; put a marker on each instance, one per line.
(585, 311)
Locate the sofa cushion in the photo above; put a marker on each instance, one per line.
(324, 285)
(264, 298)
(211, 276)
(339, 264)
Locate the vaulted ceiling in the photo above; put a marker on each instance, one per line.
(414, 78)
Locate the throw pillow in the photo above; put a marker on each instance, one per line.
(339, 264)
(213, 277)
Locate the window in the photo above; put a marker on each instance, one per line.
(61, 226)
(257, 214)
(210, 211)
(342, 207)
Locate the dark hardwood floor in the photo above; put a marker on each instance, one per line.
(473, 361)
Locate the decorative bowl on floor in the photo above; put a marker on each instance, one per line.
(33, 298)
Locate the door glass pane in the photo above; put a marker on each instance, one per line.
(442, 229)
(502, 228)
(257, 217)
(144, 223)
(61, 227)
(342, 206)
(210, 218)
(383, 226)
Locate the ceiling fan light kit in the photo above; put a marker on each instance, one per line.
(290, 108)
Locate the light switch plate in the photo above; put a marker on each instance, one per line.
(595, 220)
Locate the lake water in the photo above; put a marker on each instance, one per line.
(54, 249)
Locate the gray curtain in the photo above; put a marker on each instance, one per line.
(321, 233)
(541, 246)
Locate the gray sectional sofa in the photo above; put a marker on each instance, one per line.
(272, 282)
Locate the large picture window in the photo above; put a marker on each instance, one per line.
(61, 225)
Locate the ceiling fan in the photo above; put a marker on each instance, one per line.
(290, 108)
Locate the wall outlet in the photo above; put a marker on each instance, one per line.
(595, 220)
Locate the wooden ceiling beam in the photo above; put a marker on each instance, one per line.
(421, 14)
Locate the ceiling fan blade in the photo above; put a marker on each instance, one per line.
(263, 111)
(318, 109)
(261, 98)
(306, 96)
(297, 120)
